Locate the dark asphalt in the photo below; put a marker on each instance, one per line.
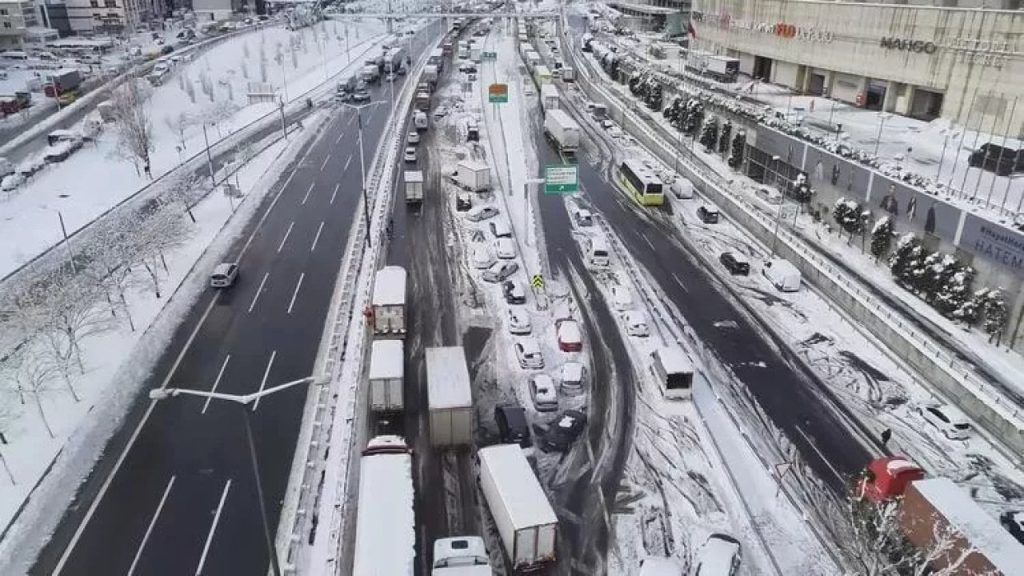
(204, 452)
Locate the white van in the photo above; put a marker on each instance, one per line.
(660, 566)
(673, 371)
(596, 251)
(682, 188)
(782, 274)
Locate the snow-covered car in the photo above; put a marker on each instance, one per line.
(441, 111)
(224, 275)
(480, 213)
(570, 338)
(11, 181)
(413, 137)
(410, 154)
(582, 217)
(499, 271)
(572, 377)
(1013, 521)
(543, 393)
(481, 257)
(636, 323)
(719, 556)
(505, 248)
(615, 132)
(563, 431)
(513, 292)
(361, 96)
(947, 420)
(621, 298)
(463, 201)
(682, 188)
(528, 354)
(519, 322)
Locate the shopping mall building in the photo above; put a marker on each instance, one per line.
(956, 59)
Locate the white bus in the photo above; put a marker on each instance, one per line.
(641, 184)
(385, 518)
(673, 371)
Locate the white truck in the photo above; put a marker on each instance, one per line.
(521, 510)
(549, 96)
(370, 74)
(385, 521)
(568, 74)
(473, 175)
(449, 397)
(420, 120)
(387, 376)
(475, 54)
(389, 302)
(563, 130)
(413, 186)
(430, 73)
(532, 59)
(721, 68)
(461, 556)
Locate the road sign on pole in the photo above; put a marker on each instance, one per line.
(561, 179)
(488, 55)
(497, 93)
(537, 281)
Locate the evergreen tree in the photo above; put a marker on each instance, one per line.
(723, 140)
(939, 269)
(694, 116)
(902, 258)
(881, 237)
(654, 95)
(802, 191)
(709, 134)
(847, 215)
(995, 315)
(739, 144)
(955, 293)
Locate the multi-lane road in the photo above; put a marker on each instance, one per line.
(175, 490)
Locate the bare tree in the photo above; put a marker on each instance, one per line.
(186, 189)
(156, 233)
(8, 415)
(131, 117)
(110, 261)
(29, 374)
(179, 123)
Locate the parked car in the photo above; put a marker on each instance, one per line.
(719, 556)
(543, 393)
(519, 322)
(481, 213)
(410, 154)
(513, 292)
(636, 323)
(463, 202)
(528, 354)
(708, 214)
(735, 263)
(505, 248)
(681, 188)
(361, 96)
(512, 425)
(224, 275)
(621, 298)
(947, 420)
(481, 257)
(500, 271)
(413, 137)
(582, 217)
(999, 159)
(563, 431)
(500, 228)
(572, 376)
(570, 338)
(1013, 521)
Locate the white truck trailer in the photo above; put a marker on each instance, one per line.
(473, 176)
(563, 130)
(387, 376)
(389, 302)
(385, 521)
(413, 186)
(449, 396)
(521, 510)
(549, 96)
(461, 556)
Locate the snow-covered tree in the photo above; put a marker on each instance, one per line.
(131, 117)
(904, 258)
(723, 140)
(179, 123)
(186, 190)
(29, 374)
(156, 233)
(693, 116)
(995, 315)
(739, 144)
(881, 237)
(875, 539)
(110, 261)
(955, 291)
(939, 269)
(847, 214)
(709, 134)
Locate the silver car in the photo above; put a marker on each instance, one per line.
(500, 271)
(224, 275)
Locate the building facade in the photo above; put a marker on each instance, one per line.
(16, 17)
(962, 60)
(103, 16)
(668, 16)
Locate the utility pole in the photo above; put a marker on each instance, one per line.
(284, 129)
(362, 166)
(209, 158)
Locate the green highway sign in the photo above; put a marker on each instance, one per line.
(488, 55)
(561, 179)
(537, 281)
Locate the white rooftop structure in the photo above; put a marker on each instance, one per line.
(674, 360)
(387, 359)
(385, 521)
(448, 384)
(525, 500)
(389, 286)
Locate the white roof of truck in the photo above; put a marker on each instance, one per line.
(562, 118)
(548, 90)
(448, 383)
(525, 500)
(389, 286)
(413, 176)
(981, 530)
(674, 360)
(473, 165)
(387, 359)
(385, 522)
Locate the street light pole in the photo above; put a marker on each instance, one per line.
(882, 117)
(209, 158)
(362, 166)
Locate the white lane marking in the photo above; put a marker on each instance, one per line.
(258, 292)
(340, 136)
(285, 239)
(265, 214)
(680, 282)
(296, 293)
(818, 452)
(131, 442)
(317, 237)
(263, 383)
(216, 383)
(306, 197)
(347, 162)
(149, 529)
(213, 528)
(350, 119)
(335, 193)
(325, 162)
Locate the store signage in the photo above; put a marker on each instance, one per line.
(919, 46)
(779, 29)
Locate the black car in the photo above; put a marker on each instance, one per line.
(513, 292)
(1013, 521)
(463, 202)
(735, 263)
(563, 431)
(512, 426)
(999, 159)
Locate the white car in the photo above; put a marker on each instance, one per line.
(505, 248)
(519, 322)
(636, 324)
(719, 556)
(621, 298)
(543, 393)
(947, 420)
(413, 137)
(582, 217)
(573, 374)
(528, 354)
(478, 213)
(481, 257)
(410, 154)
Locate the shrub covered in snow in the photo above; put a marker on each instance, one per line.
(709, 134)
(739, 143)
(847, 214)
(881, 236)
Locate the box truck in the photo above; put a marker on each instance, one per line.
(473, 175)
(521, 510)
(461, 556)
(430, 74)
(549, 96)
(568, 74)
(563, 130)
(370, 74)
(413, 186)
(721, 68)
(385, 515)
(389, 302)
(449, 397)
(387, 375)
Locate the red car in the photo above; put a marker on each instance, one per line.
(570, 339)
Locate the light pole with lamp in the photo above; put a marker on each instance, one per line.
(778, 213)
(882, 117)
(64, 232)
(362, 163)
(244, 401)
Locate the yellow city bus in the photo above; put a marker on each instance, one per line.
(641, 184)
